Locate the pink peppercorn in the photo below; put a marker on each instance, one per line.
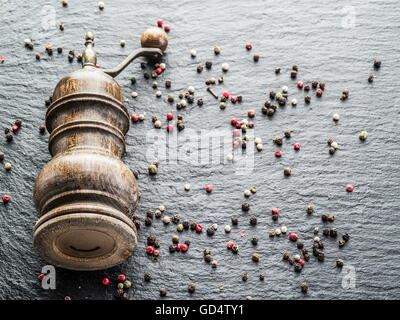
(67, 298)
(234, 99)
(159, 70)
(2, 59)
(167, 28)
(349, 188)
(275, 211)
(226, 94)
(160, 22)
(296, 146)
(239, 124)
(249, 46)
(278, 153)
(230, 244)
(156, 253)
(250, 124)
(135, 117)
(234, 121)
(199, 228)
(236, 144)
(300, 84)
(301, 262)
(293, 237)
(6, 199)
(150, 249)
(14, 128)
(170, 116)
(209, 188)
(184, 247)
(121, 277)
(105, 282)
(169, 127)
(41, 276)
(236, 132)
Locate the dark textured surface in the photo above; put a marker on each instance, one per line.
(314, 36)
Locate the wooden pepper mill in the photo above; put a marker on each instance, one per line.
(86, 195)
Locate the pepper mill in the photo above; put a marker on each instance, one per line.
(86, 195)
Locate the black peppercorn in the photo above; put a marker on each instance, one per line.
(200, 102)
(270, 112)
(239, 98)
(332, 150)
(310, 209)
(207, 258)
(148, 221)
(293, 74)
(254, 241)
(287, 134)
(9, 137)
(193, 226)
(253, 221)
(208, 64)
(307, 88)
(277, 70)
(377, 64)
(143, 65)
(304, 288)
(235, 249)
(187, 242)
(295, 68)
(333, 233)
(118, 293)
(275, 217)
(371, 78)
(307, 99)
(339, 263)
(168, 83)
(191, 288)
(326, 231)
(341, 243)
(199, 68)
(346, 237)
(256, 57)
(210, 231)
(147, 277)
(235, 221)
(272, 94)
(322, 85)
(246, 206)
(277, 140)
(150, 213)
(285, 256)
(151, 240)
(298, 267)
(146, 75)
(172, 248)
(133, 80)
(6, 130)
(245, 276)
(314, 84)
(300, 244)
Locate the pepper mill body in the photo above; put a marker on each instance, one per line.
(86, 195)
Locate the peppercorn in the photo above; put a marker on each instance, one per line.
(293, 74)
(310, 209)
(346, 237)
(208, 64)
(256, 57)
(163, 292)
(307, 88)
(151, 240)
(300, 244)
(253, 221)
(255, 257)
(172, 248)
(120, 285)
(191, 288)
(152, 169)
(304, 288)
(235, 221)
(275, 217)
(339, 263)
(341, 243)
(175, 218)
(210, 231)
(287, 171)
(217, 50)
(9, 137)
(277, 140)
(333, 232)
(118, 293)
(146, 75)
(246, 206)
(371, 78)
(363, 135)
(377, 64)
(307, 99)
(331, 218)
(42, 129)
(148, 221)
(214, 263)
(245, 276)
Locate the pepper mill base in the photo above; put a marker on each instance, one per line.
(85, 241)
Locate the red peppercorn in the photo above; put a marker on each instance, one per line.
(14, 128)
(301, 262)
(296, 146)
(226, 94)
(160, 22)
(167, 28)
(300, 84)
(234, 99)
(150, 249)
(6, 199)
(156, 253)
(278, 153)
(230, 244)
(250, 124)
(293, 237)
(170, 116)
(349, 188)
(159, 70)
(236, 132)
(239, 124)
(41, 276)
(249, 46)
(209, 188)
(233, 121)
(121, 277)
(98, 66)
(275, 211)
(135, 117)
(105, 282)
(319, 92)
(2, 59)
(67, 298)
(199, 228)
(169, 127)
(184, 247)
